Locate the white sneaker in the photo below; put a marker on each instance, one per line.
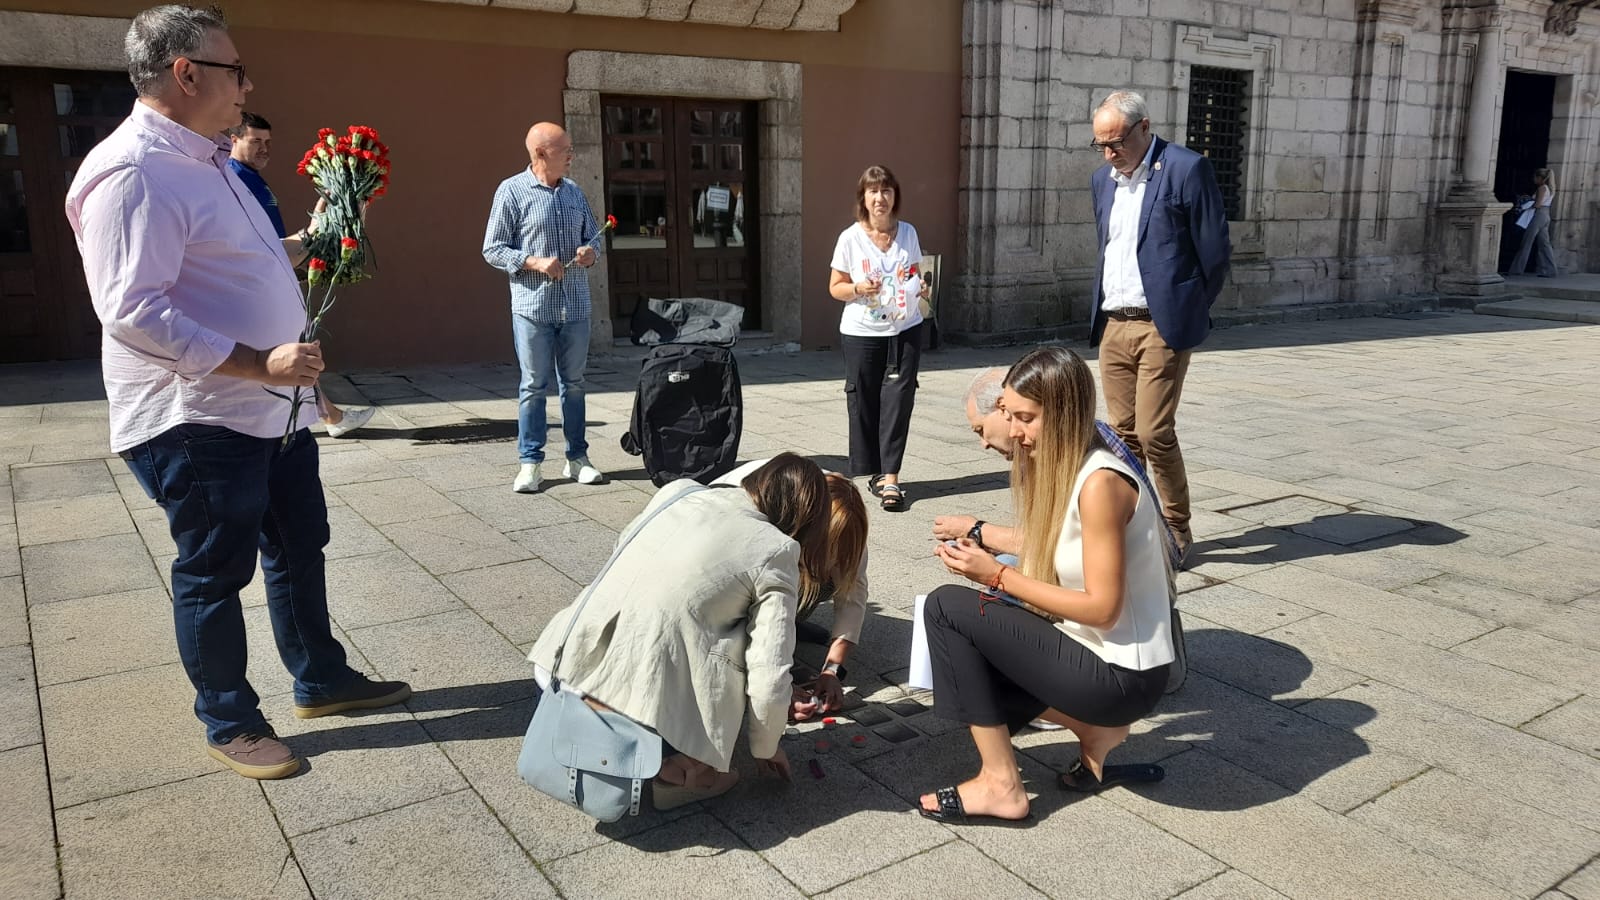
(527, 479)
(353, 419)
(580, 469)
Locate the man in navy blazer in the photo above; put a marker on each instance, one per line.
(1163, 255)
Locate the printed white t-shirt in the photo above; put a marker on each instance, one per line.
(895, 307)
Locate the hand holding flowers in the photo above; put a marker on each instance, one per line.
(586, 254)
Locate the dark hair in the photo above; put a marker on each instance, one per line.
(249, 120)
(875, 176)
(792, 493)
(161, 34)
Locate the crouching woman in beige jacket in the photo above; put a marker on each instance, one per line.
(695, 623)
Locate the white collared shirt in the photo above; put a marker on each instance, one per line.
(1121, 285)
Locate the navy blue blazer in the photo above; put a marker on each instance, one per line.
(1183, 244)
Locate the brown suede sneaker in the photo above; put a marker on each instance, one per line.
(256, 754)
(363, 693)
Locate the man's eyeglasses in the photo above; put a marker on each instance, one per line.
(1116, 145)
(233, 67)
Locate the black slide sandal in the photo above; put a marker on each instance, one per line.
(1080, 780)
(891, 497)
(952, 812)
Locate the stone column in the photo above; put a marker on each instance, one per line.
(1469, 216)
(1487, 74)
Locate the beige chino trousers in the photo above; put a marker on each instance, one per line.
(1142, 379)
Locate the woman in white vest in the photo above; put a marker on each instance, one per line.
(1086, 642)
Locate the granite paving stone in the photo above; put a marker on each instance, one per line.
(92, 636)
(404, 851)
(1454, 820)
(794, 825)
(69, 518)
(10, 556)
(395, 500)
(13, 612)
(1267, 667)
(935, 872)
(1450, 678)
(383, 587)
(357, 765)
(87, 568)
(1575, 725)
(455, 659)
(1525, 768)
(576, 549)
(1230, 885)
(1531, 654)
(454, 543)
(7, 512)
(56, 482)
(504, 509)
(144, 844)
(518, 598)
(159, 740)
(351, 535)
(682, 859)
(1241, 609)
(1351, 601)
(27, 830)
(1334, 856)
(19, 704)
(1583, 884)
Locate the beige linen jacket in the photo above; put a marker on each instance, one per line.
(693, 624)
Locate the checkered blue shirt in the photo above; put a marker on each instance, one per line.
(530, 218)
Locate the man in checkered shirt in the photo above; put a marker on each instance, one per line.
(540, 230)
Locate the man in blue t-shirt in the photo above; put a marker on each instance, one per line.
(252, 150)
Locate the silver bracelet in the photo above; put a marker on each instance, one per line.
(830, 668)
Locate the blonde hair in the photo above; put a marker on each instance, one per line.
(846, 545)
(1042, 479)
(1544, 176)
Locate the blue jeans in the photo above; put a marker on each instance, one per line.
(226, 496)
(559, 349)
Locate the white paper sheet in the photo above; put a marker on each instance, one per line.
(921, 666)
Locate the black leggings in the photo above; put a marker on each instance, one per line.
(879, 406)
(1003, 665)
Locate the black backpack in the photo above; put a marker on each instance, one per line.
(688, 414)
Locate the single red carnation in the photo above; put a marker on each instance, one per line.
(317, 264)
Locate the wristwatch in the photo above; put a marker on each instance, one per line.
(975, 533)
(830, 668)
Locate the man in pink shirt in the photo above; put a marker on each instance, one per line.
(201, 312)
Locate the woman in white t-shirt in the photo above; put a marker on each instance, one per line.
(1536, 237)
(877, 276)
(1079, 633)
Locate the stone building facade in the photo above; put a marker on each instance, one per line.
(1368, 148)
(1364, 139)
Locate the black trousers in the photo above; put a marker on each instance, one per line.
(998, 664)
(880, 405)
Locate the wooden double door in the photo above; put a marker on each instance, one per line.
(49, 120)
(680, 177)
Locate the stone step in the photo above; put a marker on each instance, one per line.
(1583, 287)
(1551, 308)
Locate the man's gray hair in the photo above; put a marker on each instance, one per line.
(984, 392)
(1129, 103)
(160, 35)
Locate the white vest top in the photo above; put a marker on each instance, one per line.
(1142, 636)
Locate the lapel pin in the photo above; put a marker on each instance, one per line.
(1158, 165)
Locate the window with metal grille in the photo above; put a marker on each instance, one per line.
(1219, 121)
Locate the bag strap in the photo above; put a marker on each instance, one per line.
(555, 664)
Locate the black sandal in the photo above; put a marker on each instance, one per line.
(1080, 780)
(952, 811)
(875, 485)
(892, 497)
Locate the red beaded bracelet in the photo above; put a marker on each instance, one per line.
(995, 584)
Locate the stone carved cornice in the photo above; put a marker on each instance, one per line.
(778, 15)
(1562, 18)
(1473, 18)
(1394, 12)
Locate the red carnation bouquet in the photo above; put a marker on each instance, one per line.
(349, 171)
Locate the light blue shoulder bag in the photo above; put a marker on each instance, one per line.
(594, 760)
